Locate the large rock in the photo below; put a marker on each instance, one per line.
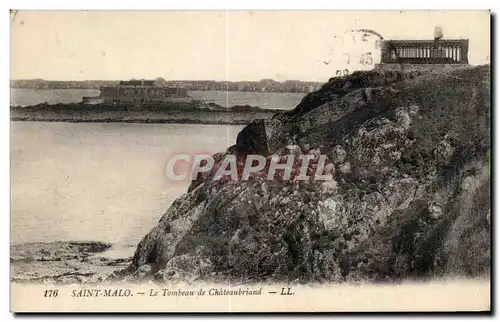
(409, 198)
(264, 136)
(253, 138)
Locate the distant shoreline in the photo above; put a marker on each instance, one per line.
(262, 86)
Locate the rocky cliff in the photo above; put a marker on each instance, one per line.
(409, 199)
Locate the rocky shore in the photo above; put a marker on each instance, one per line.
(192, 112)
(63, 263)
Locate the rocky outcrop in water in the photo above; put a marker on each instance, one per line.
(182, 112)
(409, 198)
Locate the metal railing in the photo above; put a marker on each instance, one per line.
(425, 51)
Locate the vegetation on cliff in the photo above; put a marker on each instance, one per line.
(409, 199)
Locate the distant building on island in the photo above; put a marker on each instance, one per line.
(136, 92)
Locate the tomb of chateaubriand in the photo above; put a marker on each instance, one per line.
(424, 54)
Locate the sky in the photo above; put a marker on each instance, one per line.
(218, 45)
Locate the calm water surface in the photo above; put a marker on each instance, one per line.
(102, 182)
(105, 182)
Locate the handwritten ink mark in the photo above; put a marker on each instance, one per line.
(13, 14)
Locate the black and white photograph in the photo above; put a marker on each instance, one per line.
(261, 154)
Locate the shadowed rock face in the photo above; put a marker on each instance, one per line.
(409, 199)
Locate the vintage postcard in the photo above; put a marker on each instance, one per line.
(250, 161)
